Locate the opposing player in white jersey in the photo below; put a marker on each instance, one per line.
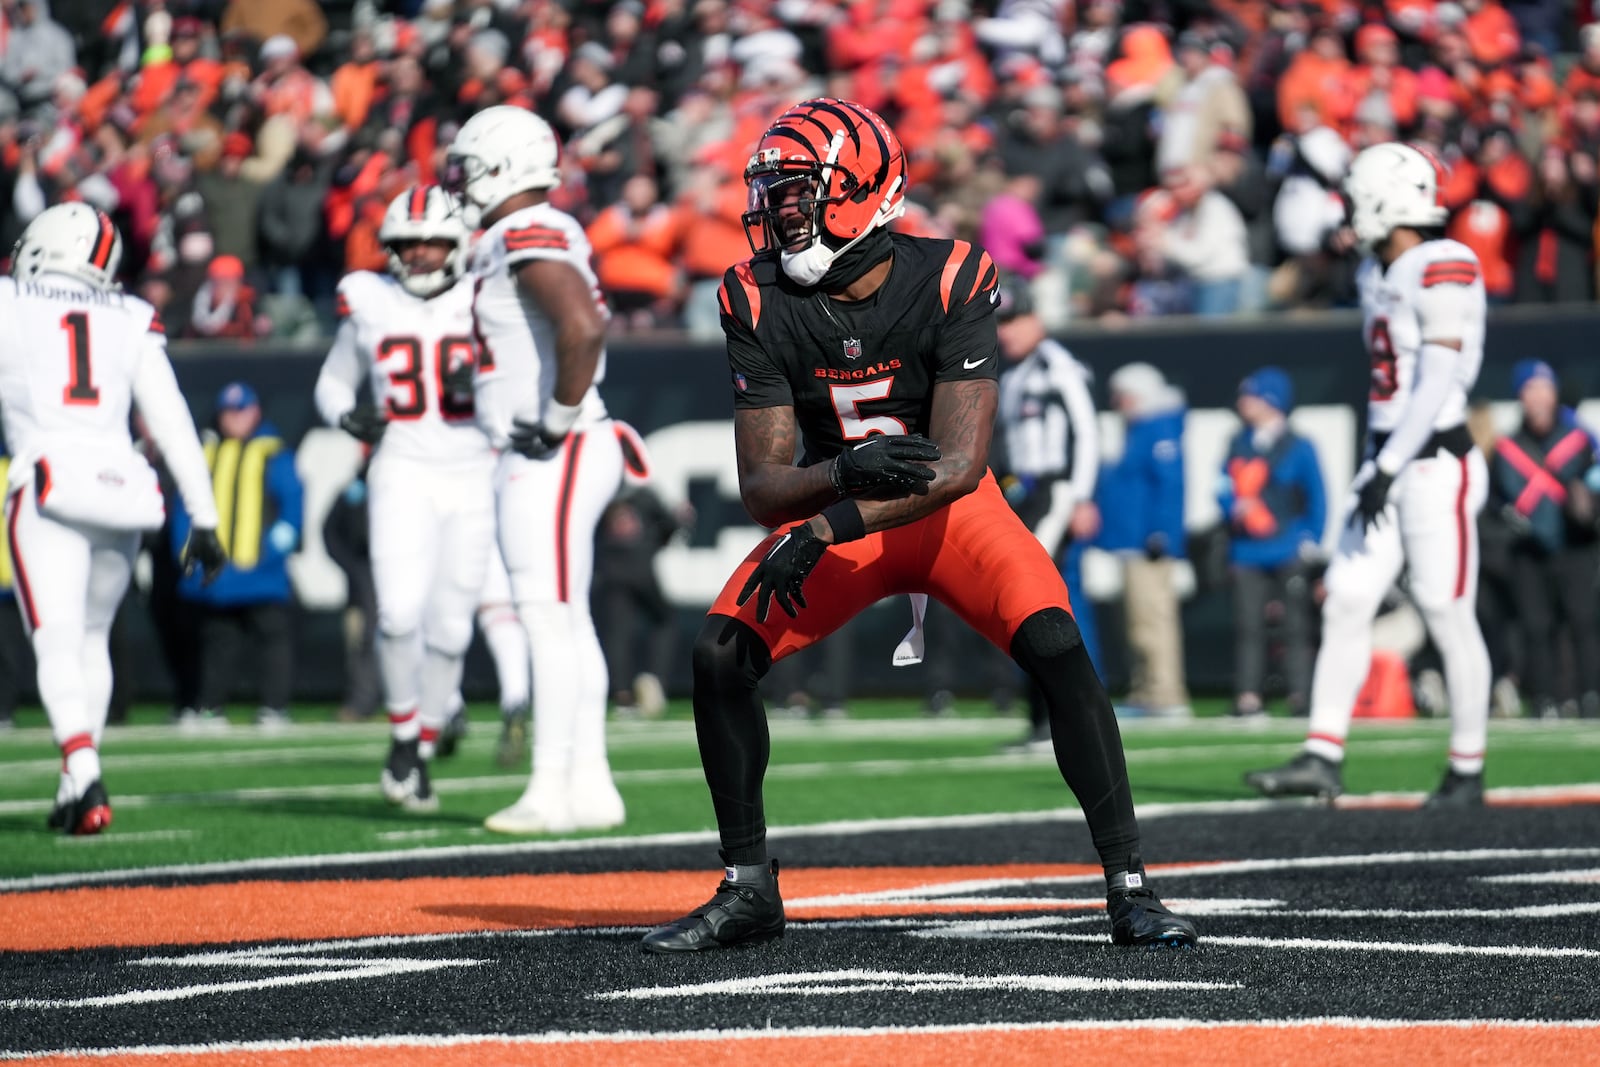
(541, 334)
(76, 353)
(1415, 499)
(430, 494)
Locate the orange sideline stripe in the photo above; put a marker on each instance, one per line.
(1421, 1045)
(319, 910)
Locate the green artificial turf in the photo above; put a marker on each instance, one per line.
(313, 790)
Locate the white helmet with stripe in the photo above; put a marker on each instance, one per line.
(72, 239)
(1392, 185)
(424, 213)
(499, 152)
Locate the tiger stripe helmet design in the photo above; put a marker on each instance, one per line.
(854, 166)
(424, 213)
(72, 239)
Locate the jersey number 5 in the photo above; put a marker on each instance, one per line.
(1384, 378)
(847, 401)
(80, 390)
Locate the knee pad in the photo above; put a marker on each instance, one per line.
(399, 620)
(1045, 635)
(728, 650)
(450, 637)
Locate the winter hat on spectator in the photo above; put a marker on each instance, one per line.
(187, 26)
(236, 396)
(1528, 370)
(226, 268)
(1272, 385)
(1015, 300)
(1373, 33)
(237, 145)
(596, 53)
(279, 46)
(1146, 56)
(1435, 84)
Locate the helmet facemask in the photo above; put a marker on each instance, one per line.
(417, 281)
(458, 177)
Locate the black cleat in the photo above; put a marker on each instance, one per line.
(90, 813)
(59, 815)
(405, 778)
(1457, 791)
(742, 913)
(1306, 775)
(1140, 920)
(455, 729)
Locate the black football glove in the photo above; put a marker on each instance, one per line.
(364, 423)
(531, 439)
(203, 551)
(884, 462)
(1371, 499)
(784, 570)
(457, 381)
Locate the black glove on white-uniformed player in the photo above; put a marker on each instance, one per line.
(365, 423)
(203, 551)
(784, 570)
(544, 437)
(1371, 499)
(884, 462)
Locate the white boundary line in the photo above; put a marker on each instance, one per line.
(843, 828)
(431, 1041)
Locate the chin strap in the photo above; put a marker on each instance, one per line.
(810, 265)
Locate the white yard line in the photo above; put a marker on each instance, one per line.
(439, 1041)
(76, 841)
(842, 828)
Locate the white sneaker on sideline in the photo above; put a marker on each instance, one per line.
(594, 801)
(537, 811)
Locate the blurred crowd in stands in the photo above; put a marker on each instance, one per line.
(1138, 159)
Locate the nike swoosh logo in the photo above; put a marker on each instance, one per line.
(994, 296)
(970, 363)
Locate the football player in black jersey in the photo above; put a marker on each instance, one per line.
(879, 351)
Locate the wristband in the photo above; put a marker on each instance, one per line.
(845, 520)
(558, 417)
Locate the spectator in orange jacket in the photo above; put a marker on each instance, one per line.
(225, 305)
(710, 240)
(1491, 32)
(633, 242)
(1320, 76)
(1485, 225)
(1380, 73)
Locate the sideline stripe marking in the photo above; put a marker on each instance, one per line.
(73, 840)
(1235, 1040)
(844, 982)
(1435, 948)
(274, 910)
(853, 827)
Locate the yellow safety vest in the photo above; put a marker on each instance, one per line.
(239, 480)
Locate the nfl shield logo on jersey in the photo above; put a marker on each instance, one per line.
(852, 348)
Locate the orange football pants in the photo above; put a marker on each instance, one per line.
(974, 556)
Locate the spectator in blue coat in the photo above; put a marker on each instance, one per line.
(1275, 505)
(259, 500)
(1543, 484)
(1141, 507)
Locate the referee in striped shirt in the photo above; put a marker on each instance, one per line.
(1052, 455)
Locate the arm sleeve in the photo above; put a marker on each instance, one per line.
(155, 391)
(340, 377)
(968, 347)
(1436, 367)
(1085, 432)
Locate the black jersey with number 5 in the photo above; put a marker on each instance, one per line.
(853, 369)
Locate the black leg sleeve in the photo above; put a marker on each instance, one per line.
(1084, 730)
(731, 724)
